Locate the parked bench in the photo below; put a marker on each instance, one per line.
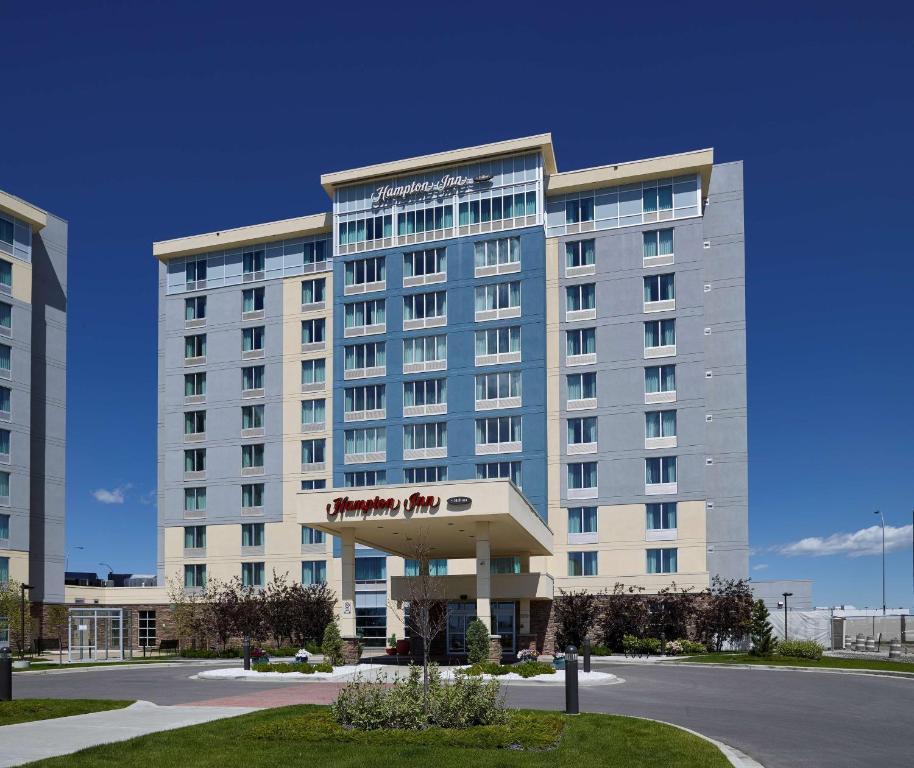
(169, 646)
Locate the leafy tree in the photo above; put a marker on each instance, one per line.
(477, 640)
(726, 613)
(626, 613)
(11, 610)
(311, 609)
(670, 613)
(762, 633)
(58, 618)
(277, 609)
(576, 614)
(192, 615)
(332, 645)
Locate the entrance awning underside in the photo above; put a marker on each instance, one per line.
(442, 516)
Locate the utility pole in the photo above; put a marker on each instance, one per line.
(882, 518)
(786, 595)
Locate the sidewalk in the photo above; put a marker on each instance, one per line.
(25, 742)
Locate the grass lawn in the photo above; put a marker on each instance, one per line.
(826, 662)
(39, 665)
(27, 710)
(307, 735)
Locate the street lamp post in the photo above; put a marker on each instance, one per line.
(22, 588)
(786, 595)
(110, 569)
(882, 518)
(66, 562)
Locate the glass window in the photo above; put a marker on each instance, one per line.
(252, 416)
(498, 296)
(417, 436)
(252, 455)
(252, 377)
(424, 392)
(500, 470)
(418, 306)
(314, 572)
(313, 485)
(194, 384)
(658, 243)
(582, 386)
(195, 308)
(252, 495)
(661, 469)
(436, 567)
(582, 563)
(364, 313)
(195, 346)
(510, 564)
(252, 300)
(6, 397)
(578, 297)
(6, 316)
(582, 520)
(582, 430)
(313, 371)
(313, 411)
(659, 288)
(6, 269)
(498, 341)
(359, 356)
(147, 628)
(313, 291)
(253, 261)
(579, 210)
(253, 574)
(425, 349)
(491, 253)
(582, 475)
(312, 451)
(252, 339)
(662, 561)
(194, 576)
(4, 526)
(497, 430)
(312, 535)
(362, 399)
(195, 537)
(661, 517)
(4, 577)
(580, 253)
(252, 534)
(195, 499)
(660, 424)
(313, 331)
(195, 271)
(195, 460)
(659, 333)
(425, 474)
(369, 440)
(581, 341)
(660, 378)
(370, 568)
(194, 422)
(362, 271)
(498, 386)
(365, 478)
(428, 262)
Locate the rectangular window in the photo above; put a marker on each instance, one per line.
(6, 401)
(582, 563)
(661, 517)
(314, 254)
(432, 261)
(582, 386)
(4, 445)
(194, 576)
(252, 378)
(313, 371)
(195, 460)
(425, 474)
(580, 297)
(194, 537)
(423, 436)
(417, 394)
(195, 499)
(580, 253)
(659, 288)
(252, 495)
(253, 574)
(195, 271)
(581, 341)
(660, 378)
(425, 306)
(253, 534)
(582, 520)
(252, 456)
(503, 344)
(313, 452)
(252, 416)
(6, 316)
(364, 272)
(582, 431)
(253, 261)
(364, 317)
(425, 220)
(498, 298)
(582, 475)
(659, 424)
(658, 242)
(312, 535)
(359, 442)
(252, 339)
(368, 402)
(252, 300)
(4, 578)
(658, 198)
(359, 230)
(364, 478)
(194, 385)
(660, 470)
(662, 561)
(313, 331)
(195, 346)
(494, 256)
(577, 211)
(314, 572)
(4, 526)
(500, 470)
(370, 569)
(428, 350)
(510, 564)
(498, 390)
(6, 269)
(146, 627)
(659, 333)
(361, 357)
(313, 485)
(5, 360)
(313, 291)
(313, 412)
(501, 432)
(194, 422)
(436, 567)
(195, 308)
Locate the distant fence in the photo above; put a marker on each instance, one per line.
(830, 630)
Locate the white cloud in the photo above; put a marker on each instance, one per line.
(866, 541)
(112, 496)
(760, 567)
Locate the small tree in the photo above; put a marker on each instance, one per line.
(311, 610)
(762, 633)
(58, 618)
(726, 612)
(626, 613)
(332, 645)
(191, 611)
(477, 640)
(576, 615)
(11, 610)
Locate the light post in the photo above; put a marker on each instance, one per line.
(571, 681)
(110, 569)
(22, 588)
(66, 562)
(882, 518)
(786, 595)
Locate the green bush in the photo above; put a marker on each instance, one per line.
(332, 646)
(488, 668)
(209, 653)
(468, 701)
(305, 669)
(524, 669)
(761, 633)
(600, 650)
(477, 640)
(800, 649)
(691, 648)
(640, 646)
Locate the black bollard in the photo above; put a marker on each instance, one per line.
(571, 681)
(587, 654)
(247, 654)
(6, 675)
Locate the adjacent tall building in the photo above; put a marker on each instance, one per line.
(33, 398)
(542, 372)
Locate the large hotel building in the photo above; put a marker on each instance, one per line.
(536, 376)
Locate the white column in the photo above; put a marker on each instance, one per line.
(483, 575)
(347, 583)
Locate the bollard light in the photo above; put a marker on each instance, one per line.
(571, 681)
(246, 644)
(6, 675)
(587, 654)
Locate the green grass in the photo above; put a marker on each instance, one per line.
(40, 665)
(27, 710)
(305, 735)
(826, 662)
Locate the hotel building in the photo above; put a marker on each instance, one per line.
(539, 374)
(33, 399)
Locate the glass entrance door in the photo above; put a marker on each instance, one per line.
(503, 624)
(459, 614)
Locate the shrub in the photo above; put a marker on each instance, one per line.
(468, 701)
(477, 640)
(761, 633)
(800, 649)
(533, 668)
(524, 669)
(488, 668)
(673, 648)
(305, 669)
(640, 646)
(600, 650)
(575, 616)
(209, 653)
(691, 648)
(332, 646)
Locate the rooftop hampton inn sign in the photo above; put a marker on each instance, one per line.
(343, 506)
(389, 192)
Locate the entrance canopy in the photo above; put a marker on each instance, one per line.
(390, 518)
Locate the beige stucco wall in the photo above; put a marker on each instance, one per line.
(19, 564)
(22, 280)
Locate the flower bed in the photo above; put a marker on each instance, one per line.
(303, 668)
(525, 669)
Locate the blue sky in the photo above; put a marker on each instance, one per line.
(139, 122)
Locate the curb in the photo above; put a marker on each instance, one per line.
(736, 757)
(821, 670)
(67, 669)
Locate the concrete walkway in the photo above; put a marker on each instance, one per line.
(25, 742)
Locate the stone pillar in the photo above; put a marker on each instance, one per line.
(495, 648)
(483, 575)
(347, 584)
(351, 652)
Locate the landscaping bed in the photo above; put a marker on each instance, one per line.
(826, 662)
(309, 735)
(29, 710)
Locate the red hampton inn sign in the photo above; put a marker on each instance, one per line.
(343, 505)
